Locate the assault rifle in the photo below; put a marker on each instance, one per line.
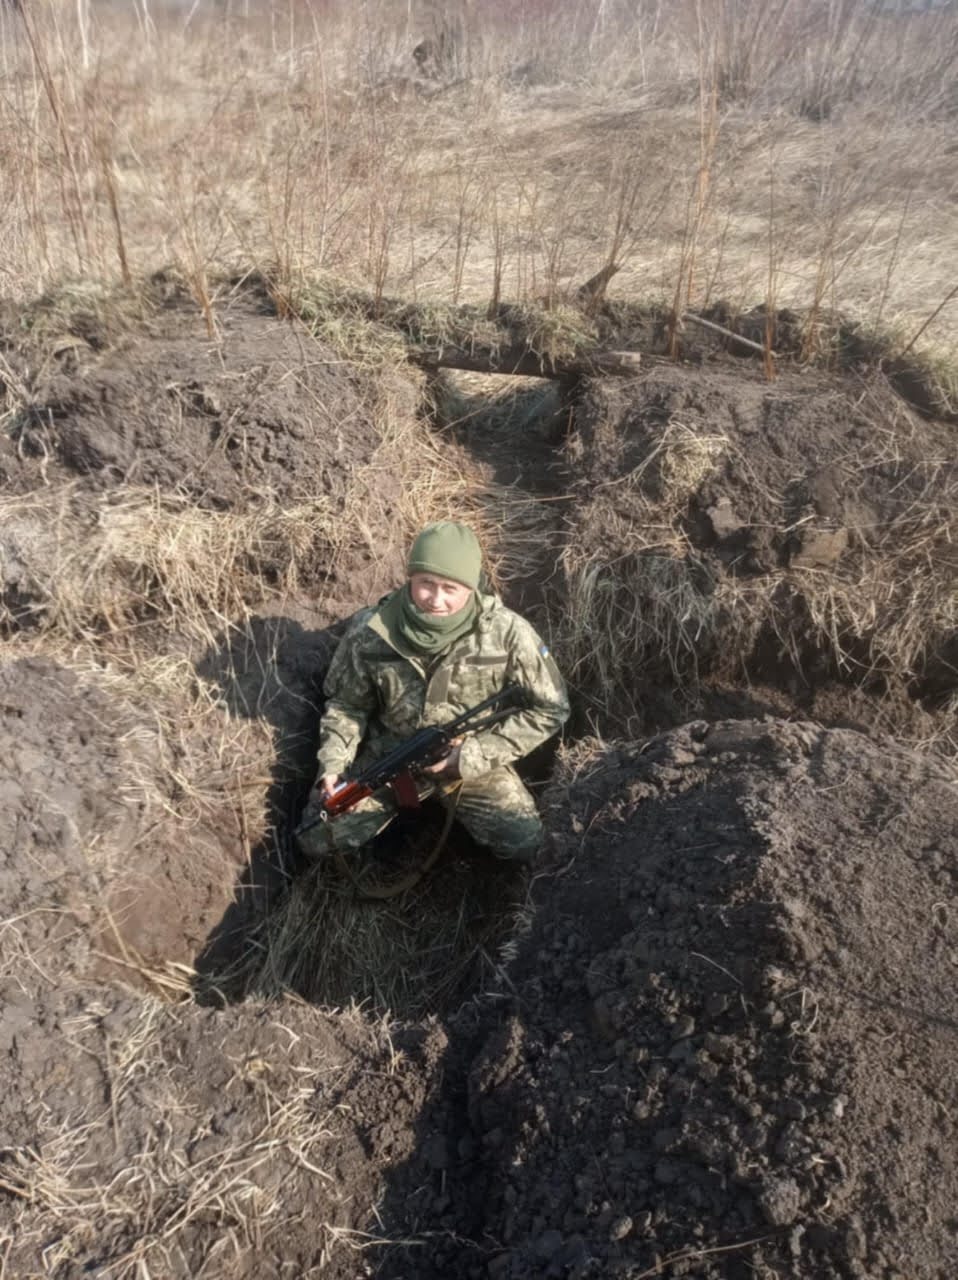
(426, 746)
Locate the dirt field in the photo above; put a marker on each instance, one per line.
(711, 1036)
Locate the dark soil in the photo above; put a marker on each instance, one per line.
(261, 413)
(60, 791)
(103, 852)
(726, 1042)
(724, 1047)
(817, 480)
(805, 451)
(222, 1144)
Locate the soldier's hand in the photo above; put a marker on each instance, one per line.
(448, 766)
(327, 784)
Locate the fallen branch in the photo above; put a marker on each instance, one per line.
(736, 337)
(591, 295)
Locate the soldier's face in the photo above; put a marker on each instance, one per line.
(435, 595)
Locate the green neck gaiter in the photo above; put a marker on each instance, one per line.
(409, 627)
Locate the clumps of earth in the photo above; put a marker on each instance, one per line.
(724, 1044)
(712, 1035)
(795, 535)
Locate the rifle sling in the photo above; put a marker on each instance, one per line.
(380, 893)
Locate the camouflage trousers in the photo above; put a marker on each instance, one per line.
(496, 810)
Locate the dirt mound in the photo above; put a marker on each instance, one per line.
(798, 532)
(723, 1048)
(732, 1026)
(150, 472)
(144, 1137)
(261, 412)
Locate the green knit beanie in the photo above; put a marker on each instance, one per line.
(448, 550)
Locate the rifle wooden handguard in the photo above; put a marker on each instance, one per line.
(344, 798)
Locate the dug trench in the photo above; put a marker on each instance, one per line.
(711, 1036)
(298, 927)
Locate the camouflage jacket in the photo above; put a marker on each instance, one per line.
(377, 695)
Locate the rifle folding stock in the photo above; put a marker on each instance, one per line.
(426, 746)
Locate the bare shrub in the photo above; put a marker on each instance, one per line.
(322, 149)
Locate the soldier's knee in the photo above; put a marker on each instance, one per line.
(519, 841)
(344, 834)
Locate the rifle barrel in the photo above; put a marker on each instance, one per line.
(511, 693)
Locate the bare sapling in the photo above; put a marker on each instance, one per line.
(498, 253)
(468, 204)
(699, 200)
(68, 165)
(771, 293)
(892, 261)
(108, 172)
(949, 296)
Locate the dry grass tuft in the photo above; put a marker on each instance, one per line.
(621, 614)
(381, 331)
(349, 323)
(642, 598)
(84, 311)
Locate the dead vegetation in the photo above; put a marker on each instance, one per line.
(155, 1199)
(522, 148)
(667, 580)
(415, 955)
(86, 564)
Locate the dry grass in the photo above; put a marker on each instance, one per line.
(408, 957)
(643, 604)
(89, 563)
(135, 1172)
(542, 145)
(378, 331)
(644, 597)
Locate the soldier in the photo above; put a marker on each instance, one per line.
(432, 648)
